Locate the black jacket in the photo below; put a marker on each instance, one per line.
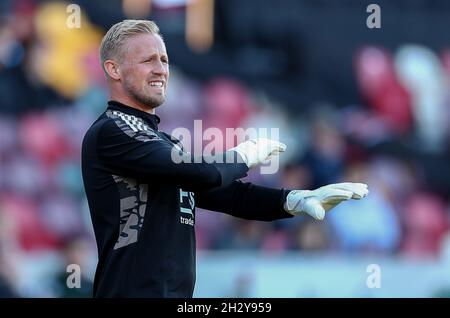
(142, 204)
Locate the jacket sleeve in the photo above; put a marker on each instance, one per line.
(246, 201)
(146, 156)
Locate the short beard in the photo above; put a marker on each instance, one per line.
(148, 101)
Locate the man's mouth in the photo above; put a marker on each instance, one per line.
(159, 84)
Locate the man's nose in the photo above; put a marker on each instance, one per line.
(159, 68)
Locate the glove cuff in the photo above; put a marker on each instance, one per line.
(295, 201)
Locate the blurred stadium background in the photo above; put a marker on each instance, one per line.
(352, 103)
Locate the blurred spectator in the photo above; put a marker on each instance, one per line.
(8, 273)
(21, 87)
(61, 46)
(30, 232)
(326, 153)
(383, 92)
(422, 73)
(426, 223)
(296, 177)
(310, 236)
(247, 235)
(371, 225)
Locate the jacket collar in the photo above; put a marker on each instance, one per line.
(152, 120)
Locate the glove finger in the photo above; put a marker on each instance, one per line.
(359, 190)
(361, 193)
(350, 186)
(337, 194)
(276, 147)
(274, 152)
(313, 208)
(267, 156)
(280, 146)
(266, 147)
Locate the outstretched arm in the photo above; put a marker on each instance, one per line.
(252, 202)
(145, 155)
(246, 201)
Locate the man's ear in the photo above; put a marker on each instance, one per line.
(112, 69)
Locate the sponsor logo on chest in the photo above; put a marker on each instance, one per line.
(187, 208)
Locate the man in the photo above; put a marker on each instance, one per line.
(142, 202)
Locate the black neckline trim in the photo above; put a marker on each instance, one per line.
(152, 119)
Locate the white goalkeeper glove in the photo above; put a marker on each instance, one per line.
(317, 202)
(256, 151)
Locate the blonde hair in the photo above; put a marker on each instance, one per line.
(114, 39)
